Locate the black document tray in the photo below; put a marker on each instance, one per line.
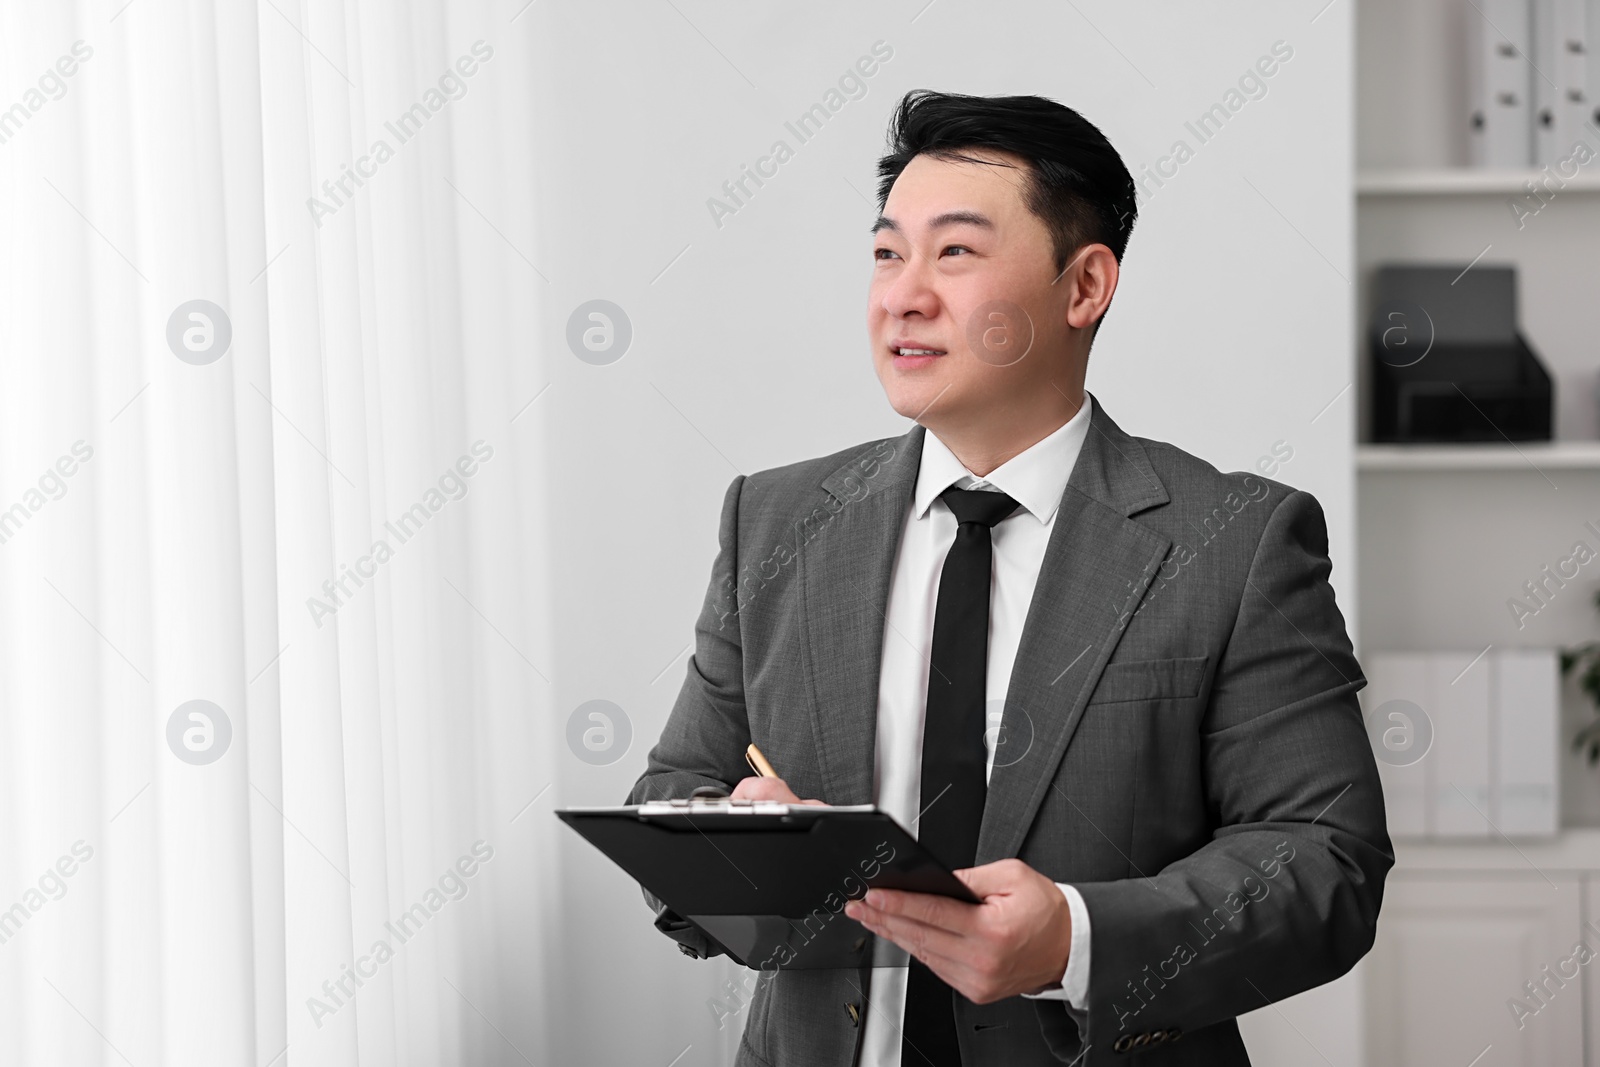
(770, 888)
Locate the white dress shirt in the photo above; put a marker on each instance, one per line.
(1035, 478)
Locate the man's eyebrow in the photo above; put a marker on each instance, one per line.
(949, 218)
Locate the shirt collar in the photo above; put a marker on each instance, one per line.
(1036, 477)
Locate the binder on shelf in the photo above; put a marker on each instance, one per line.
(1467, 744)
(1499, 83)
(1459, 688)
(1560, 63)
(1527, 706)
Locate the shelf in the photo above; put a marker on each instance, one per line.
(1530, 456)
(1470, 181)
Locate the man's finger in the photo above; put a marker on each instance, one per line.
(921, 940)
(929, 908)
(764, 789)
(964, 961)
(990, 879)
(925, 942)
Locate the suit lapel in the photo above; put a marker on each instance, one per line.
(1097, 566)
(846, 561)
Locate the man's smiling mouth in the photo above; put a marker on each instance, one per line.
(908, 348)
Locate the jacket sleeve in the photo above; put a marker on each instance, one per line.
(707, 731)
(1285, 895)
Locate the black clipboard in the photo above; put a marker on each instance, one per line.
(768, 882)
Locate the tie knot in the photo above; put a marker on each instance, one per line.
(978, 505)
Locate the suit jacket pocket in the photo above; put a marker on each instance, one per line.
(1150, 679)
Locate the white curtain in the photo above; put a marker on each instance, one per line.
(331, 533)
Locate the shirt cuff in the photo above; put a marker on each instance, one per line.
(1075, 982)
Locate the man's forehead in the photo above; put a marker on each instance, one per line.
(982, 194)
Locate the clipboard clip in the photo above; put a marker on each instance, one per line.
(713, 805)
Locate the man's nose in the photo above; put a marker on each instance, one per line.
(912, 290)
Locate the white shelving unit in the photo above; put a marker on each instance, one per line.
(1448, 536)
(1451, 181)
(1531, 456)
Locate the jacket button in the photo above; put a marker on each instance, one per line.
(1141, 1041)
(1124, 1043)
(855, 1015)
(1174, 1033)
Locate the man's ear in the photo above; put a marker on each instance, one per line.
(1094, 284)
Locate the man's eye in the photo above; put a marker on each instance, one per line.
(881, 253)
(963, 248)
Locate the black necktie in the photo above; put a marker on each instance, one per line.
(953, 753)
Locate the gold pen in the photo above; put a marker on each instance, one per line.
(758, 762)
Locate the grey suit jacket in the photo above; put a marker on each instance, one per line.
(1192, 755)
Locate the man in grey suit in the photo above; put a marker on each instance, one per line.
(1106, 681)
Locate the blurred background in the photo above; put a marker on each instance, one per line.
(371, 375)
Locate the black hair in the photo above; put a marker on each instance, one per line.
(1077, 184)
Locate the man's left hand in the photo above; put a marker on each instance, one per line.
(1016, 941)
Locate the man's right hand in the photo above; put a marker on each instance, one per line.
(775, 789)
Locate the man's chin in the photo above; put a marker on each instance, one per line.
(917, 404)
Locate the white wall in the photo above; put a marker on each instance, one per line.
(1231, 331)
